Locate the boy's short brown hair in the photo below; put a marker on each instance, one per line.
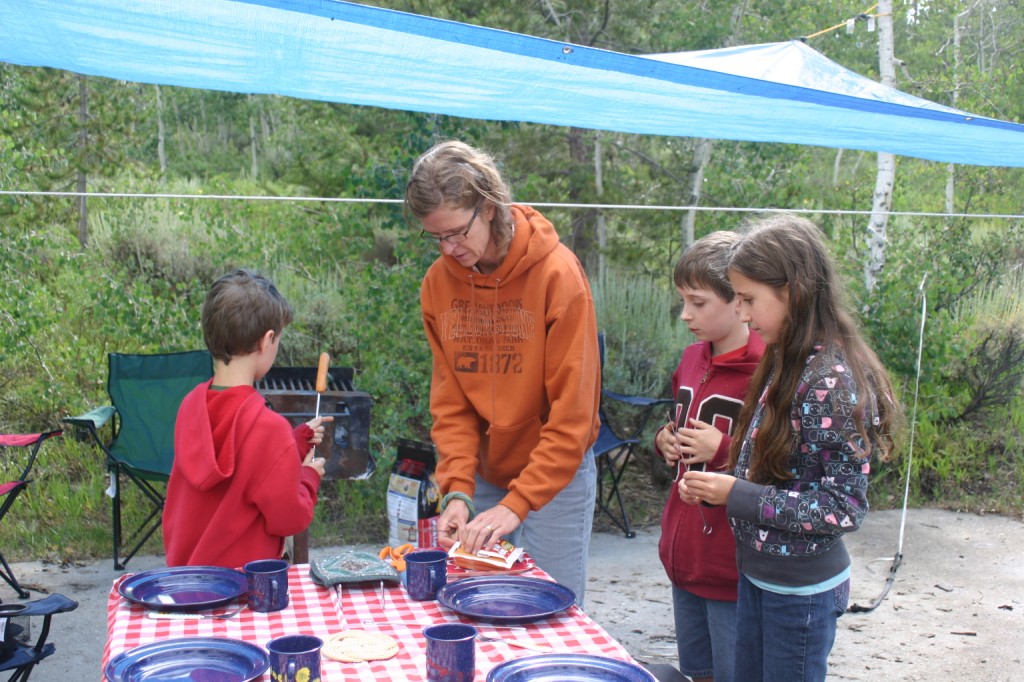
(239, 309)
(705, 264)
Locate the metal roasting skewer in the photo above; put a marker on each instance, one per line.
(681, 466)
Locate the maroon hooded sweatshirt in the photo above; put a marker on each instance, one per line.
(711, 390)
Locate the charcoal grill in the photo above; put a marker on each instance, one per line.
(346, 445)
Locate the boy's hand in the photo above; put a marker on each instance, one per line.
(315, 463)
(699, 442)
(668, 444)
(318, 430)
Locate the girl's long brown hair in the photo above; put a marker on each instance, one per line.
(787, 253)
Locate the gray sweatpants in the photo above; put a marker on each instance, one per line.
(558, 535)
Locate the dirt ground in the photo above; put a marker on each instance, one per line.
(955, 611)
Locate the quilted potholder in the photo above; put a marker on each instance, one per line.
(351, 567)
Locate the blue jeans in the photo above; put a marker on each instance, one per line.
(705, 635)
(786, 637)
(557, 536)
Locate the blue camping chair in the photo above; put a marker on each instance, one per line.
(145, 392)
(22, 657)
(614, 449)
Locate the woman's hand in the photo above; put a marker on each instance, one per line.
(705, 486)
(451, 522)
(487, 528)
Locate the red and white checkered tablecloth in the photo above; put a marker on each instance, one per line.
(321, 611)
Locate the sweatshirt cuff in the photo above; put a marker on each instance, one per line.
(302, 433)
(519, 506)
(743, 500)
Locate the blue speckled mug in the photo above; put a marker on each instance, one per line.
(267, 583)
(295, 657)
(426, 572)
(451, 652)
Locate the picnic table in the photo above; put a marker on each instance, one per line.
(325, 611)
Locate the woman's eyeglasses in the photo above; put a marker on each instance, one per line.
(454, 237)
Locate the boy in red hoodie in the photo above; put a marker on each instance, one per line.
(242, 479)
(697, 546)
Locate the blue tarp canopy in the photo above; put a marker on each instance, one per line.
(343, 52)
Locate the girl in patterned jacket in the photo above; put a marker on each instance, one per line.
(820, 408)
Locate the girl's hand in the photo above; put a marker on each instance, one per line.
(705, 486)
(699, 442)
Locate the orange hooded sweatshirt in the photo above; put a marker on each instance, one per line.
(516, 373)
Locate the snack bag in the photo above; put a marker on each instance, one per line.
(501, 555)
(413, 496)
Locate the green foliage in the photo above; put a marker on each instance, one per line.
(643, 342)
(352, 271)
(642, 338)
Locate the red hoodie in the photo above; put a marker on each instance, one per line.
(705, 565)
(237, 485)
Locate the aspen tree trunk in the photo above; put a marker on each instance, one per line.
(83, 146)
(161, 152)
(886, 169)
(700, 159)
(583, 219)
(602, 228)
(703, 148)
(951, 168)
(254, 156)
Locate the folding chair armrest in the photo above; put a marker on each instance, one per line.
(47, 606)
(93, 419)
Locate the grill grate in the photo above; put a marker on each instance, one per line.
(304, 379)
(291, 392)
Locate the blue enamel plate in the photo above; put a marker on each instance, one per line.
(184, 588)
(188, 659)
(568, 668)
(506, 599)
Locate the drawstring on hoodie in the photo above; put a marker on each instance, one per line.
(494, 314)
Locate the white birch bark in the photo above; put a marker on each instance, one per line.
(885, 177)
(161, 152)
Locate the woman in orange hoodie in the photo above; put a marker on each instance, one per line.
(515, 390)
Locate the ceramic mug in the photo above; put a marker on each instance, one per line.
(426, 572)
(295, 657)
(267, 583)
(451, 652)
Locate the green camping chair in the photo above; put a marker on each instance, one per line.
(145, 392)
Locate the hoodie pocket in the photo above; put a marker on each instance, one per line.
(505, 451)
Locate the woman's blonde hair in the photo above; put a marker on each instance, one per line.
(454, 175)
(787, 253)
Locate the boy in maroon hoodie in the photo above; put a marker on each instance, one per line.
(697, 546)
(242, 479)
